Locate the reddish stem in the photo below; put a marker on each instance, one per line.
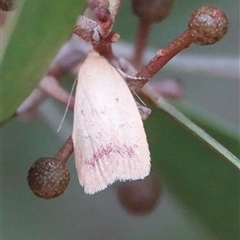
(165, 55)
(65, 152)
(50, 86)
(141, 42)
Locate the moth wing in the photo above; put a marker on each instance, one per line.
(109, 139)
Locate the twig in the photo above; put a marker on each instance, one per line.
(50, 86)
(113, 8)
(65, 152)
(140, 43)
(206, 64)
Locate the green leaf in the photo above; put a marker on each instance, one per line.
(203, 180)
(41, 28)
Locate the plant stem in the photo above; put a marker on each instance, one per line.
(140, 43)
(113, 8)
(50, 86)
(65, 152)
(165, 55)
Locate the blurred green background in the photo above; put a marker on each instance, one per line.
(199, 198)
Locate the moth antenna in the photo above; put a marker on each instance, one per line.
(68, 103)
(143, 103)
(124, 75)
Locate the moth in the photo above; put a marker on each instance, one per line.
(109, 140)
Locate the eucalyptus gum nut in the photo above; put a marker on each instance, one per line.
(152, 10)
(208, 25)
(140, 197)
(48, 178)
(7, 5)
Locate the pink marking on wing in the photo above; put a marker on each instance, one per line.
(107, 151)
(100, 153)
(130, 150)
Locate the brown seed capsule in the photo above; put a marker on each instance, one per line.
(152, 10)
(140, 197)
(6, 5)
(208, 25)
(48, 178)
